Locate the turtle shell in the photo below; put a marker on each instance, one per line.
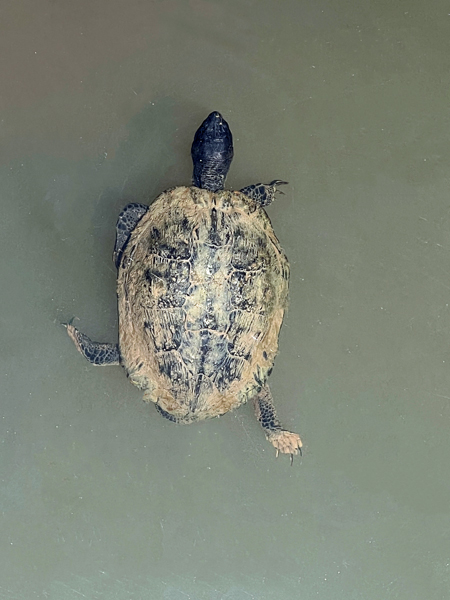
(202, 288)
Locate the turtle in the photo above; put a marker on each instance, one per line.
(202, 286)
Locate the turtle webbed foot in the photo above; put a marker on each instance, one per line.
(263, 193)
(286, 442)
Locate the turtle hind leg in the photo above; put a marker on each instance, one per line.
(284, 441)
(263, 193)
(127, 221)
(95, 352)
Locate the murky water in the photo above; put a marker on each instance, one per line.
(348, 101)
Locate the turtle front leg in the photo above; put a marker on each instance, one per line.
(127, 221)
(95, 352)
(284, 441)
(263, 193)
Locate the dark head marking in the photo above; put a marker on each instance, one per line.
(212, 153)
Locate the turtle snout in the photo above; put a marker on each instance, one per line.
(215, 125)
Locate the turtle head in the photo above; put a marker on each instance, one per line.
(212, 153)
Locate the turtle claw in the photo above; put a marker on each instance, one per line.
(277, 453)
(278, 182)
(69, 324)
(274, 185)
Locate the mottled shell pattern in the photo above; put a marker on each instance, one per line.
(202, 289)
